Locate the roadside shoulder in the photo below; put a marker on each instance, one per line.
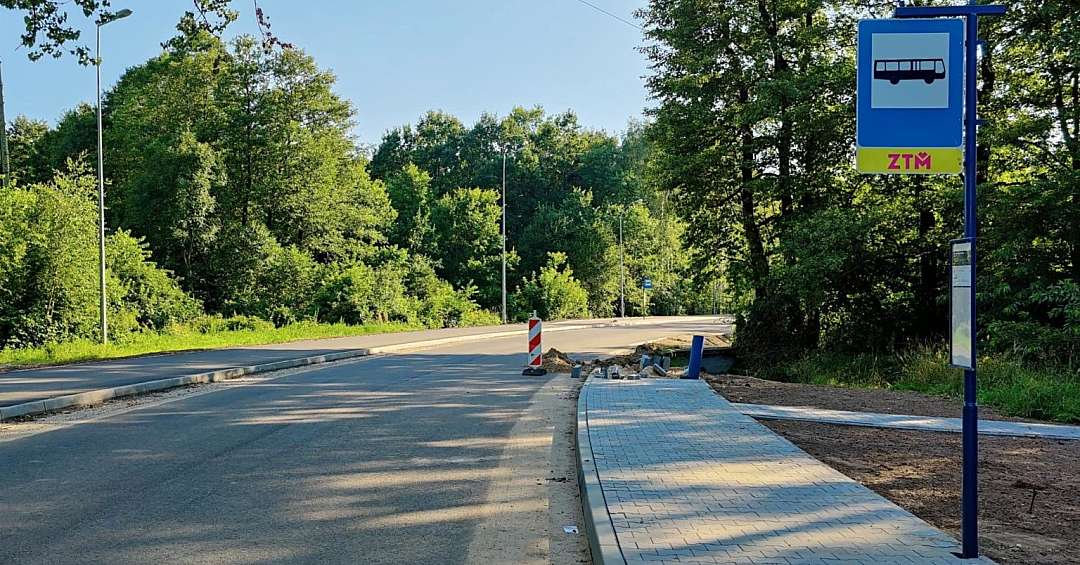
(603, 542)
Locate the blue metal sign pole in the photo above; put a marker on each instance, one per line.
(971, 411)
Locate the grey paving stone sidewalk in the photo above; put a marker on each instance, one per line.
(688, 479)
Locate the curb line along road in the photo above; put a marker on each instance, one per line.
(603, 543)
(93, 397)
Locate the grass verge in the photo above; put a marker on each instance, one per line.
(1012, 387)
(186, 338)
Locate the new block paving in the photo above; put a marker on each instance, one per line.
(687, 478)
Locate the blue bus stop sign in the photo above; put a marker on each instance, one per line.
(646, 284)
(910, 103)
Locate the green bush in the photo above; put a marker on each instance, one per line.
(438, 304)
(48, 262)
(140, 290)
(237, 260)
(554, 293)
(286, 282)
(359, 294)
(49, 270)
(1045, 328)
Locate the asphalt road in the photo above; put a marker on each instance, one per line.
(28, 385)
(389, 459)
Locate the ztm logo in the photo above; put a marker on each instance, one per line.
(910, 161)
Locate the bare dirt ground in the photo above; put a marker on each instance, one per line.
(683, 342)
(920, 471)
(1029, 488)
(556, 361)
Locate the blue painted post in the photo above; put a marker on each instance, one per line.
(694, 370)
(972, 11)
(970, 516)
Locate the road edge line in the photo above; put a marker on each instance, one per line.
(603, 543)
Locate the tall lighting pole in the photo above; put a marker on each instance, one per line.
(5, 159)
(504, 234)
(622, 268)
(101, 176)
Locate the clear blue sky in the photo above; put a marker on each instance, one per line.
(394, 59)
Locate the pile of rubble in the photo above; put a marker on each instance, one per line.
(648, 367)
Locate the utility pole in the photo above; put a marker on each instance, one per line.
(5, 158)
(504, 234)
(101, 178)
(622, 269)
(101, 199)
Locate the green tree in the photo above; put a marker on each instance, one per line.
(742, 131)
(179, 189)
(75, 137)
(468, 241)
(559, 176)
(49, 266)
(410, 194)
(26, 147)
(586, 241)
(554, 293)
(206, 140)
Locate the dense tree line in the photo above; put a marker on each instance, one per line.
(567, 188)
(234, 188)
(231, 168)
(755, 133)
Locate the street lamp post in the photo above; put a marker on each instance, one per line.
(101, 177)
(504, 234)
(622, 269)
(5, 160)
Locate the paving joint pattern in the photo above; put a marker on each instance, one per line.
(687, 478)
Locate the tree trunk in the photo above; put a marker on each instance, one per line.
(926, 291)
(759, 264)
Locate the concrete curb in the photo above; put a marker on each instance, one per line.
(98, 396)
(603, 543)
(93, 397)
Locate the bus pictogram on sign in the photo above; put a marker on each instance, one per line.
(896, 70)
